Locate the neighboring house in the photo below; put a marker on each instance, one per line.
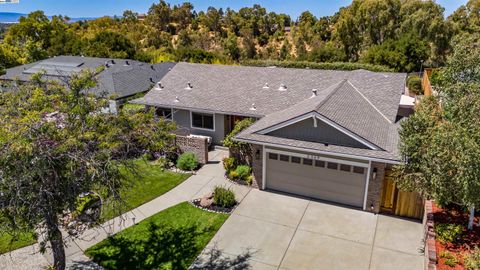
(330, 135)
(118, 79)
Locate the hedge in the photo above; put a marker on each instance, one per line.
(315, 65)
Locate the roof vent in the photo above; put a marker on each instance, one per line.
(266, 86)
(314, 93)
(282, 87)
(253, 108)
(151, 80)
(176, 99)
(127, 63)
(152, 67)
(158, 86)
(113, 61)
(189, 86)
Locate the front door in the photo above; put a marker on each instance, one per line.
(231, 121)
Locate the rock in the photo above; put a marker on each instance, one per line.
(207, 200)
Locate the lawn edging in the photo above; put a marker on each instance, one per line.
(429, 237)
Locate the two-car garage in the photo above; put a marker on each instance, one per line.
(319, 177)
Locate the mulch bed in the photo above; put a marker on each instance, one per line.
(213, 208)
(455, 214)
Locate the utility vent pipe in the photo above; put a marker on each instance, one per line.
(282, 87)
(189, 86)
(159, 86)
(314, 93)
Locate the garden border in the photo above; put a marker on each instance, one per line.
(192, 202)
(429, 237)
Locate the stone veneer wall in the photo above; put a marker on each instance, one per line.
(374, 195)
(198, 146)
(257, 163)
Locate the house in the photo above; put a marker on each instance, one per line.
(118, 79)
(329, 135)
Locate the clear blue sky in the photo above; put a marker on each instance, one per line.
(97, 8)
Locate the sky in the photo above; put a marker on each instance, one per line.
(98, 8)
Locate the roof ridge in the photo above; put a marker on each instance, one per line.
(369, 102)
(334, 90)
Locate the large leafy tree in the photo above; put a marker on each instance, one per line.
(441, 141)
(56, 143)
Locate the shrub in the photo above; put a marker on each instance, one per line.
(448, 233)
(223, 197)
(239, 127)
(233, 175)
(450, 259)
(229, 164)
(243, 172)
(250, 180)
(472, 260)
(187, 162)
(414, 84)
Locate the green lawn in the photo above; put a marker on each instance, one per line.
(171, 239)
(24, 239)
(149, 182)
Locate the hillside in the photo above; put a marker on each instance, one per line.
(11, 17)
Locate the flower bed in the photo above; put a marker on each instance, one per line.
(453, 240)
(213, 208)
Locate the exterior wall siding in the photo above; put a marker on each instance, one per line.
(374, 195)
(182, 119)
(323, 133)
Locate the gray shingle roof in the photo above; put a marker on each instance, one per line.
(119, 79)
(233, 89)
(346, 106)
(363, 102)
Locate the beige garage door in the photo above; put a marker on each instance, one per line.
(330, 181)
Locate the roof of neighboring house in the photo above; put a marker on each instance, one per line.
(364, 103)
(122, 78)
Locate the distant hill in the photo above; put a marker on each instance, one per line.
(11, 17)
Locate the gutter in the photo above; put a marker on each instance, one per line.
(389, 161)
(136, 101)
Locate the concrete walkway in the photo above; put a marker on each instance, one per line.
(203, 182)
(276, 231)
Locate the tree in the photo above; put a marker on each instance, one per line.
(467, 17)
(56, 144)
(230, 45)
(440, 143)
(406, 54)
(112, 45)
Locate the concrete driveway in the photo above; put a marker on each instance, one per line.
(275, 231)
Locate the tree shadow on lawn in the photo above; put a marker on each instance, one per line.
(160, 247)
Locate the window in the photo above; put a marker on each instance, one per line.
(307, 161)
(284, 158)
(345, 167)
(203, 121)
(319, 163)
(164, 112)
(296, 160)
(332, 165)
(359, 170)
(272, 156)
